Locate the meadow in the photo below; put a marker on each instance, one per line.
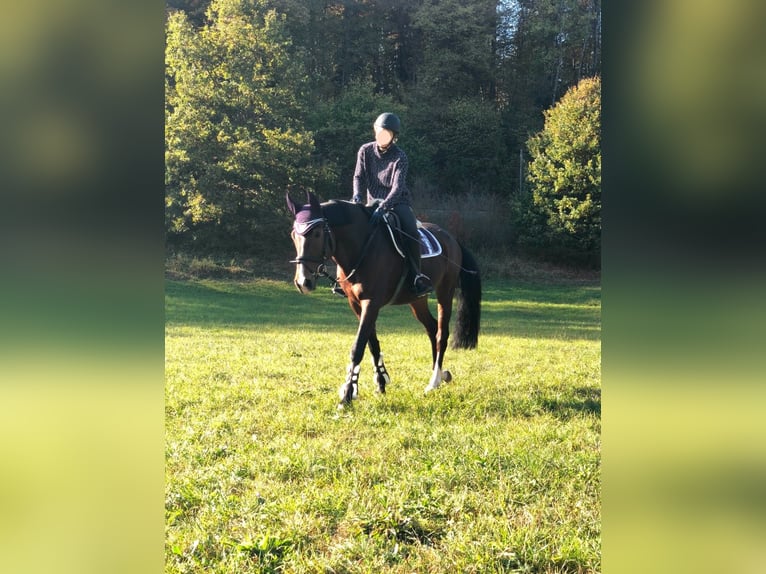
(497, 471)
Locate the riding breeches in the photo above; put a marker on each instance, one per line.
(409, 227)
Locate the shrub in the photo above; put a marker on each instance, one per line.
(562, 214)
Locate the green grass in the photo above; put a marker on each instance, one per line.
(497, 471)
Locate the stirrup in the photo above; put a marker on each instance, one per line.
(422, 285)
(336, 289)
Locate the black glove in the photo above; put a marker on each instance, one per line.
(377, 215)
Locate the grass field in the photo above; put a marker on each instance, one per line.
(497, 471)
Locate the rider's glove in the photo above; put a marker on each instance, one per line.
(377, 215)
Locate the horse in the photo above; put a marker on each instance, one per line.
(373, 273)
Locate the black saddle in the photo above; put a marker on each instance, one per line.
(429, 244)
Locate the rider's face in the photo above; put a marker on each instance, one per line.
(383, 137)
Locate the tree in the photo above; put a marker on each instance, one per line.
(565, 175)
(266, 94)
(234, 134)
(340, 126)
(194, 9)
(545, 47)
(458, 49)
(458, 146)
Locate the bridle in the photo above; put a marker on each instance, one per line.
(328, 246)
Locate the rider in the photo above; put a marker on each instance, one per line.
(381, 172)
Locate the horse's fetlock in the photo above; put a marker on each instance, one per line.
(350, 389)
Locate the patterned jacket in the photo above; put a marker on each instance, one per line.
(382, 176)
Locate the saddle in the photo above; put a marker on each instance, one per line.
(429, 244)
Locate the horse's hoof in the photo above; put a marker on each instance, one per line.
(431, 387)
(348, 392)
(446, 377)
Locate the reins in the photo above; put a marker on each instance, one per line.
(328, 250)
(329, 241)
(362, 255)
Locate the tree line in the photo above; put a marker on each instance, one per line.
(266, 96)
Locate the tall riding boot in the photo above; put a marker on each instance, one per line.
(422, 284)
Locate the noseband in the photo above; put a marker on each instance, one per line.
(328, 245)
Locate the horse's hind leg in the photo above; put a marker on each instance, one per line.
(423, 314)
(440, 338)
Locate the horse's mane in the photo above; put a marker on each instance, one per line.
(340, 212)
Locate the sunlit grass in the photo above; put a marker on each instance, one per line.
(497, 471)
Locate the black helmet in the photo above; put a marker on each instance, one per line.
(389, 122)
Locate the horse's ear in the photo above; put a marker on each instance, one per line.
(313, 201)
(291, 205)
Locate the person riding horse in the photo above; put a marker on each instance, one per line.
(339, 231)
(380, 175)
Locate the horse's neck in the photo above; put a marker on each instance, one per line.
(350, 239)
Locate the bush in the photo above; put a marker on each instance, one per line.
(562, 214)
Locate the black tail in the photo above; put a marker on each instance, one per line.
(466, 333)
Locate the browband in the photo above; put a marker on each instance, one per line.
(302, 228)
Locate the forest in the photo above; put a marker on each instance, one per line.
(499, 101)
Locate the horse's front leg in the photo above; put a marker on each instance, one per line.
(349, 390)
(380, 375)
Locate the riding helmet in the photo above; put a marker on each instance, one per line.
(389, 122)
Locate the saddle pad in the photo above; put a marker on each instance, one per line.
(429, 245)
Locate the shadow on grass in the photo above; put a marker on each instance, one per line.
(560, 311)
(260, 303)
(586, 401)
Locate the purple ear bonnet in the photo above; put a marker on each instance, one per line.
(306, 218)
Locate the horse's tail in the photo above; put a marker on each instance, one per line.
(466, 333)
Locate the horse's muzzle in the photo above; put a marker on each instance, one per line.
(306, 286)
(305, 283)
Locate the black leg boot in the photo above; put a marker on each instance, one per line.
(422, 284)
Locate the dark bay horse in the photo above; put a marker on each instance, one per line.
(373, 274)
